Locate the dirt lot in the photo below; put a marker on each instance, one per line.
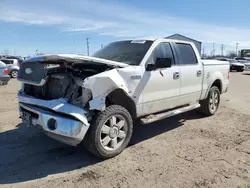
(183, 151)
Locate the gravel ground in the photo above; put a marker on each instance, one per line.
(183, 151)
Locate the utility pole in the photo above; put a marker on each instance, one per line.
(222, 49)
(213, 50)
(101, 46)
(237, 45)
(87, 42)
(203, 51)
(74, 40)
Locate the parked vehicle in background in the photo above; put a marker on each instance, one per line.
(4, 76)
(19, 58)
(234, 64)
(95, 100)
(240, 59)
(13, 66)
(245, 60)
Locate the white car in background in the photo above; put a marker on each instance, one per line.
(244, 60)
(13, 66)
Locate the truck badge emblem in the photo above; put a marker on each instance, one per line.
(28, 71)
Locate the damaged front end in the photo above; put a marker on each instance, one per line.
(53, 95)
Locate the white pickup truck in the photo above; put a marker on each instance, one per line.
(95, 100)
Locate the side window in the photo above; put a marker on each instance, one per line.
(186, 54)
(163, 50)
(7, 62)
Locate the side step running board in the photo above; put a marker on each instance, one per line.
(156, 117)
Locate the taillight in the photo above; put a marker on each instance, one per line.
(228, 75)
(6, 71)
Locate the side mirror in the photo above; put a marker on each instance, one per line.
(160, 63)
(163, 63)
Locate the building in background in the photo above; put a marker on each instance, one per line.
(181, 37)
(244, 53)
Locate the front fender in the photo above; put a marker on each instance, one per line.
(103, 84)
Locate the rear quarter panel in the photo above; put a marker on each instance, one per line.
(214, 70)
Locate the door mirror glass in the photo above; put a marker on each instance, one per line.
(163, 63)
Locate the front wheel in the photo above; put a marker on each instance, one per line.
(110, 132)
(211, 104)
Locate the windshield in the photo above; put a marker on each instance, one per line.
(129, 52)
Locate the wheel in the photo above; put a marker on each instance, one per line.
(109, 132)
(240, 70)
(13, 73)
(210, 105)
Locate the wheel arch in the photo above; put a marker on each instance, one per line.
(119, 97)
(218, 83)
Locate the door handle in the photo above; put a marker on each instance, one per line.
(199, 73)
(176, 75)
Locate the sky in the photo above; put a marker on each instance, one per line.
(62, 26)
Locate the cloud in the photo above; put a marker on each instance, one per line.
(116, 20)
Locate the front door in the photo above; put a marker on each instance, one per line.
(161, 86)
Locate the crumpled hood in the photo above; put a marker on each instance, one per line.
(73, 59)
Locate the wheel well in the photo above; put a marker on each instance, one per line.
(119, 97)
(218, 84)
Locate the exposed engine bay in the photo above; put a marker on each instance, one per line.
(65, 81)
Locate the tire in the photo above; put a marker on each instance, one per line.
(104, 132)
(206, 105)
(240, 70)
(14, 73)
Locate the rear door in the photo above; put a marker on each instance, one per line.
(191, 71)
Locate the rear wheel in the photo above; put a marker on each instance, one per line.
(110, 132)
(14, 73)
(210, 105)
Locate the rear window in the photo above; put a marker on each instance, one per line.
(6, 61)
(186, 54)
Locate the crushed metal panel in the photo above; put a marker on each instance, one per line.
(57, 105)
(101, 85)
